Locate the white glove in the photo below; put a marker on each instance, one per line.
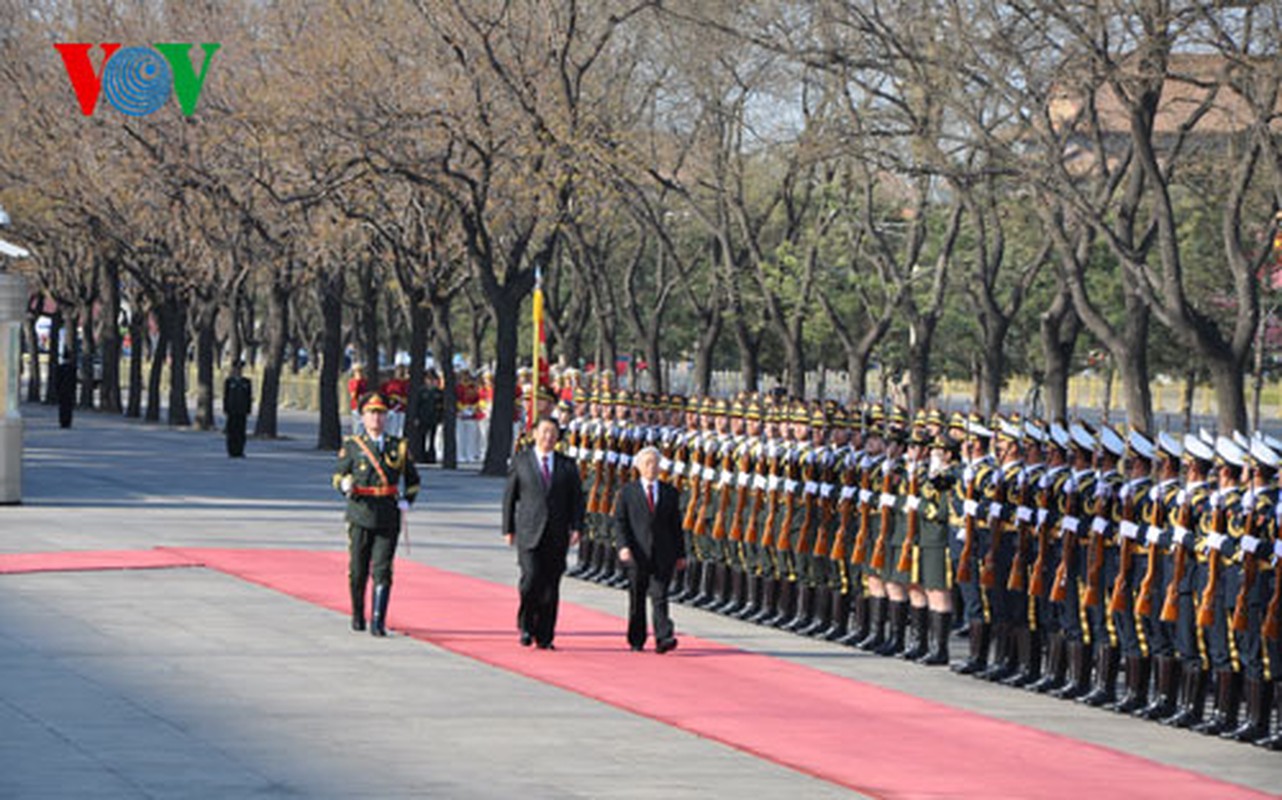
(403, 505)
(345, 485)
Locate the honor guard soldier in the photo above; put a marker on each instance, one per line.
(1215, 548)
(1193, 504)
(1124, 572)
(996, 548)
(371, 468)
(1075, 501)
(1271, 628)
(1254, 536)
(968, 520)
(1026, 646)
(1099, 559)
(1051, 494)
(931, 570)
(1158, 633)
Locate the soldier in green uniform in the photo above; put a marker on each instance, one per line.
(371, 468)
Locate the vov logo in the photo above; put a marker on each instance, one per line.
(136, 80)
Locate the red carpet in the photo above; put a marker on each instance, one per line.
(876, 741)
(90, 560)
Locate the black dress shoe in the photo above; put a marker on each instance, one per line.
(665, 646)
(526, 640)
(637, 648)
(358, 624)
(546, 646)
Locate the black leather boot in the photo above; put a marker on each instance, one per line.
(1105, 691)
(733, 593)
(978, 660)
(894, 644)
(876, 637)
(1080, 666)
(378, 623)
(1228, 696)
(1136, 697)
(785, 604)
(1165, 690)
(1003, 663)
(685, 581)
(358, 607)
(840, 616)
(769, 599)
(751, 597)
(805, 607)
(707, 587)
(1273, 742)
(820, 612)
(918, 621)
(1192, 698)
(1028, 650)
(1054, 675)
(1259, 706)
(941, 627)
(859, 617)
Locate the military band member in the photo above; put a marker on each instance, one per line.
(371, 468)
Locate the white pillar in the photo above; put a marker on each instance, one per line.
(13, 303)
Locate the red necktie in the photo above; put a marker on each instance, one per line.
(649, 497)
(547, 471)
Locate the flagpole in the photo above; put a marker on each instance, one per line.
(536, 348)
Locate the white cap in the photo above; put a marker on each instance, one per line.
(1263, 455)
(1082, 438)
(1170, 445)
(1229, 451)
(1194, 447)
(1060, 436)
(1112, 441)
(1140, 445)
(1035, 433)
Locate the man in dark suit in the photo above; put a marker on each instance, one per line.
(651, 548)
(238, 396)
(543, 509)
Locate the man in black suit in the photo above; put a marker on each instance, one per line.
(651, 548)
(542, 516)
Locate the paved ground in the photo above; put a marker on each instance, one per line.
(189, 683)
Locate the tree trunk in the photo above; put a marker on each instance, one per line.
(919, 351)
(175, 316)
(993, 367)
(56, 326)
(137, 350)
(1059, 327)
(1230, 393)
(330, 426)
(795, 359)
(274, 360)
(109, 392)
(33, 377)
(420, 327)
(1190, 390)
(85, 357)
(205, 350)
(507, 313)
(702, 377)
(443, 342)
(367, 313)
(857, 367)
(158, 351)
(749, 359)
